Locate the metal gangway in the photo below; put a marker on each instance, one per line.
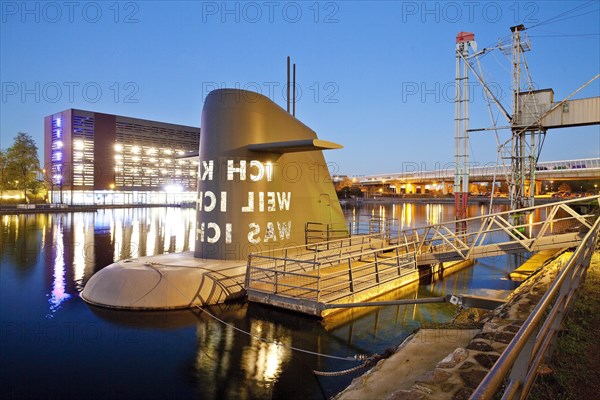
(313, 277)
(549, 226)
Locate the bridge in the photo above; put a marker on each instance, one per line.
(318, 277)
(580, 169)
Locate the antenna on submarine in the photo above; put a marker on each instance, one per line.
(293, 85)
(288, 85)
(294, 91)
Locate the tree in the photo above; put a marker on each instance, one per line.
(3, 181)
(345, 182)
(22, 164)
(564, 187)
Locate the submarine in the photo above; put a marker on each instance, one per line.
(261, 177)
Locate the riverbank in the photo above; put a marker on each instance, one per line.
(575, 365)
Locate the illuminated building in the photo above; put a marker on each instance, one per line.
(96, 158)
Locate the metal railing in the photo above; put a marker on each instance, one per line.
(559, 224)
(523, 355)
(315, 232)
(358, 263)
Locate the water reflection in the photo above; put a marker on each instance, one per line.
(59, 293)
(73, 246)
(47, 259)
(268, 349)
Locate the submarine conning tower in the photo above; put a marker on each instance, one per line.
(261, 177)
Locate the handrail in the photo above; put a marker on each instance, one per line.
(520, 350)
(382, 269)
(520, 210)
(351, 239)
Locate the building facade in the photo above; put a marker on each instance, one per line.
(96, 158)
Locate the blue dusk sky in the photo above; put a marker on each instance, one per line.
(374, 76)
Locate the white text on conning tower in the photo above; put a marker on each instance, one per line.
(211, 202)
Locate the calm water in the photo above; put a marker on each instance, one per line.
(55, 346)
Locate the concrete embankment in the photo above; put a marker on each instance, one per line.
(455, 373)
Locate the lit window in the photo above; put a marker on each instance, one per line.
(135, 149)
(168, 151)
(135, 159)
(118, 147)
(78, 144)
(151, 150)
(180, 152)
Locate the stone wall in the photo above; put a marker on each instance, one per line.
(457, 375)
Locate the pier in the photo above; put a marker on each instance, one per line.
(316, 277)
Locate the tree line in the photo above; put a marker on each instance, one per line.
(20, 166)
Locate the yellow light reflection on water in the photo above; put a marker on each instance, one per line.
(134, 242)
(434, 213)
(117, 236)
(151, 236)
(406, 215)
(263, 360)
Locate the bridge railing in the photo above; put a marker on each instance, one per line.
(516, 369)
(545, 167)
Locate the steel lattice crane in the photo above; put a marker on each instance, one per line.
(533, 113)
